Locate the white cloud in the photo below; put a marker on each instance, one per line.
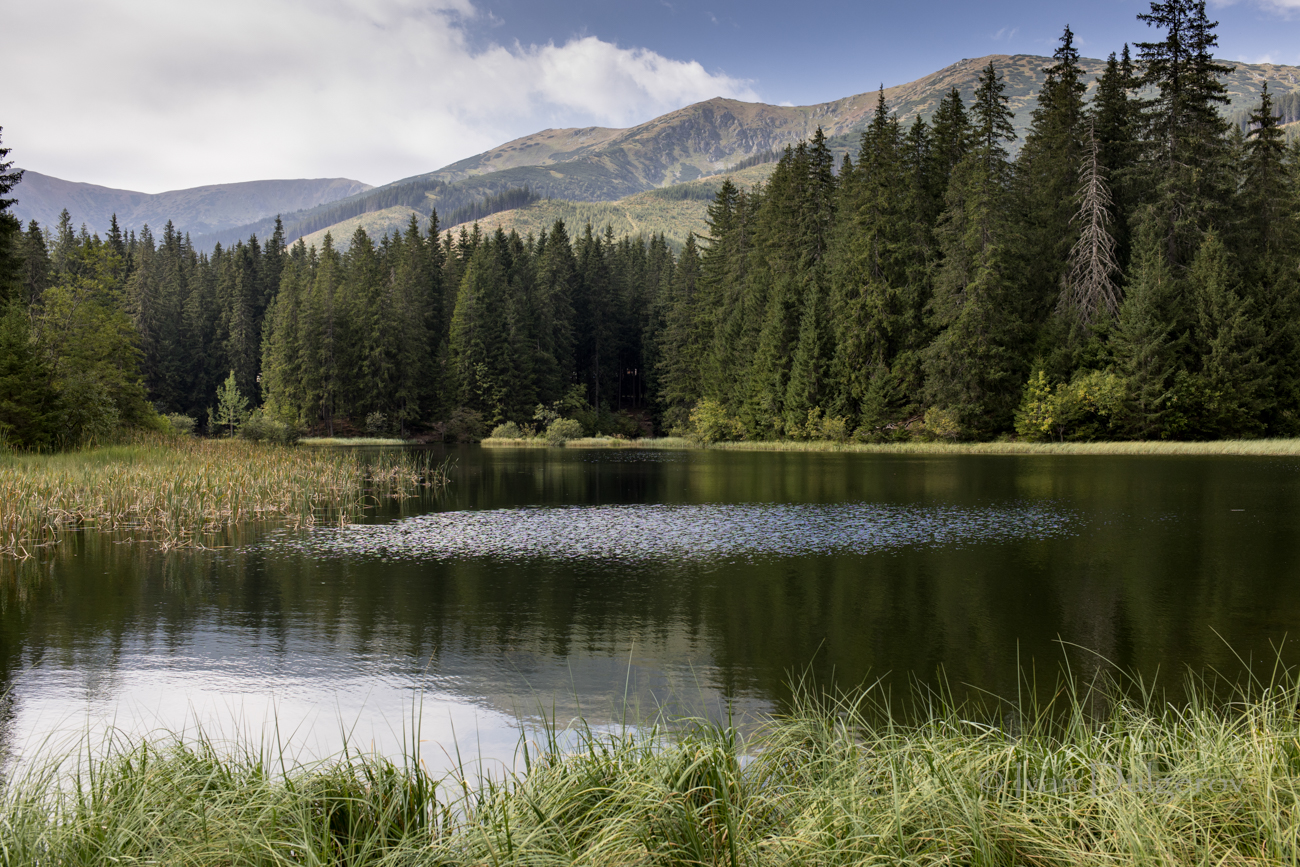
(154, 94)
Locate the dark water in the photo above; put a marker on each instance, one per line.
(569, 581)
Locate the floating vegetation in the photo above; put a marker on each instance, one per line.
(828, 783)
(181, 493)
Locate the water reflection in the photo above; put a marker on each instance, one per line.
(575, 580)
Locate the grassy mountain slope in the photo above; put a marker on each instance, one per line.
(673, 211)
(199, 210)
(597, 164)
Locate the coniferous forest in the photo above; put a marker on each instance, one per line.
(1128, 270)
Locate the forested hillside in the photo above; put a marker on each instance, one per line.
(1132, 271)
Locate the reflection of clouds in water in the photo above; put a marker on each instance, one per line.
(248, 687)
(634, 533)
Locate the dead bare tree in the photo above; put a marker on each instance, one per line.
(1090, 286)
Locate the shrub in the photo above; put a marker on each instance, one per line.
(376, 423)
(835, 428)
(507, 431)
(712, 424)
(562, 430)
(1082, 409)
(942, 423)
(180, 425)
(262, 428)
(464, 426)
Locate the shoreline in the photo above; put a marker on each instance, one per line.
(1244, 448)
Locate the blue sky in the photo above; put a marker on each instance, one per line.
(815, 51)
(153, 94)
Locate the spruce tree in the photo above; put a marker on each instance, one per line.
(975, 365)
(10, 229)
(1188, 155)
(1048, 173)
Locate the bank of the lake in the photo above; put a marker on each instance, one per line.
(176, 492)
(1255, 447)
(823, 784)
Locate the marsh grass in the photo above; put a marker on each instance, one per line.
(601, 442)
(832, 781)
(178, 493)
(353, 441)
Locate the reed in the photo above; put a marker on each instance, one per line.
(828, 783)
(353, 441)
(177, 493)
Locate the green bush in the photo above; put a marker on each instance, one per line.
(1082, 409)
(180, 425)
(507, 431)
(260, 428)
(711, 423)
(376, 423)
(464, 426)
(562, 430)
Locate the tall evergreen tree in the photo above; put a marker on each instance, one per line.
(974, 366)
(1188, 154)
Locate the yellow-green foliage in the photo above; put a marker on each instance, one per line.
(711, 423)
(840, 783)
(178, 493)
(1082, 409)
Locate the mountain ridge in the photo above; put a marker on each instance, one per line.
(603, 164)
(197, 210)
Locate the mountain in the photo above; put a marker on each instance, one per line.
(598, 164)
(199, 211)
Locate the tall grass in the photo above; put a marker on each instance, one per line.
(182, 492)
(828, 783)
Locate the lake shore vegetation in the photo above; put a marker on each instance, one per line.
(1246, 447)
(1127, 269)
(184, 492)
(827, 782)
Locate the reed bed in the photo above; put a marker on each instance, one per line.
(184, 492)
(828, 783)
(353, 441)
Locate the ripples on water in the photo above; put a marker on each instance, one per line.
(638, 533)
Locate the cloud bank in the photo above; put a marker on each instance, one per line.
(154, 94)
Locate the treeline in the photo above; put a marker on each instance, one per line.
(1133, 272)
(1286, 108)
(517, 197)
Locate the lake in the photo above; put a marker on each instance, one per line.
(547, 583)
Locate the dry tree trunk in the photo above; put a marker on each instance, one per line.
(1090, 288)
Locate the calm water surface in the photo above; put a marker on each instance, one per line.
(555, 582)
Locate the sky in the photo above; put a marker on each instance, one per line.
(153, 95)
